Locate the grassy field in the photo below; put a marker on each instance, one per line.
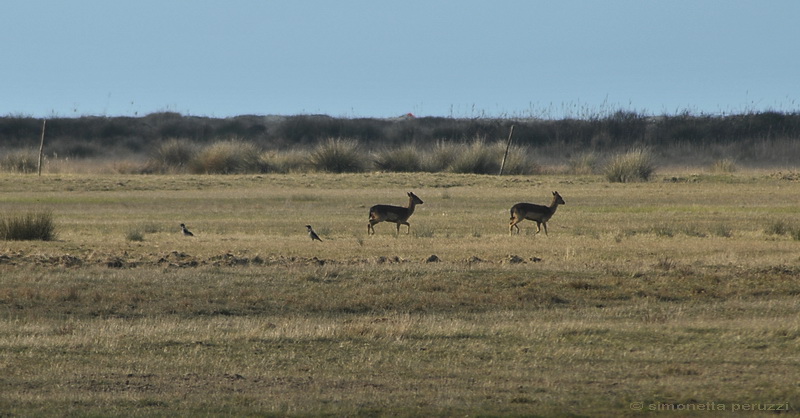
(678, 294)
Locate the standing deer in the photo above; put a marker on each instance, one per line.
(396, 214)
(540, 214)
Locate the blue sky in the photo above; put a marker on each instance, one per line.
(377, 58)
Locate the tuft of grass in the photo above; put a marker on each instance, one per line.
(634, 166)
(338, 155)
(422, 232)
(782, 228)
(663, 231)
(24, 162)
(228, 157)
(134, 234)
(779, 227)
(441, 156)
(692, 231)
(476, 158)
(174, 155)
(28, 227)
(722, 230)
(404, 159)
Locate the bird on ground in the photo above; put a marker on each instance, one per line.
(186, 232)
(313, 235)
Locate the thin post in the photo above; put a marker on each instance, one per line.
(41, 148)
(508, 146)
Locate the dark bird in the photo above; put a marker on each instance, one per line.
(186, 232)
(313, 235)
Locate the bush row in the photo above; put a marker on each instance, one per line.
(92, 136)
(347, 156)
(338, 155)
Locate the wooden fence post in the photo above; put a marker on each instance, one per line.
(508, 146)
(41, 148)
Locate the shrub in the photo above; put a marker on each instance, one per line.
(228, 157)
(338, 156)
(173, 155)
(20, 162)
(441, 156)
(635, 165)
(477, 158)
(29, 226)
(404, 159)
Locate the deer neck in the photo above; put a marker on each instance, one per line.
(553, 205)
(411, 206)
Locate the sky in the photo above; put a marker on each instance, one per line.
(374, 58)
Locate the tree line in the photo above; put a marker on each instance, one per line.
(89, 136)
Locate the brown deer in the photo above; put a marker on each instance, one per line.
(540, 214)
(396, 214)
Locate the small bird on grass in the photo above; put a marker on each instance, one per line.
(186, 232)
(313, 235)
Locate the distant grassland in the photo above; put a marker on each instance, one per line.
(670, 293)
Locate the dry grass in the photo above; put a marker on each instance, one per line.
(635, 296)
